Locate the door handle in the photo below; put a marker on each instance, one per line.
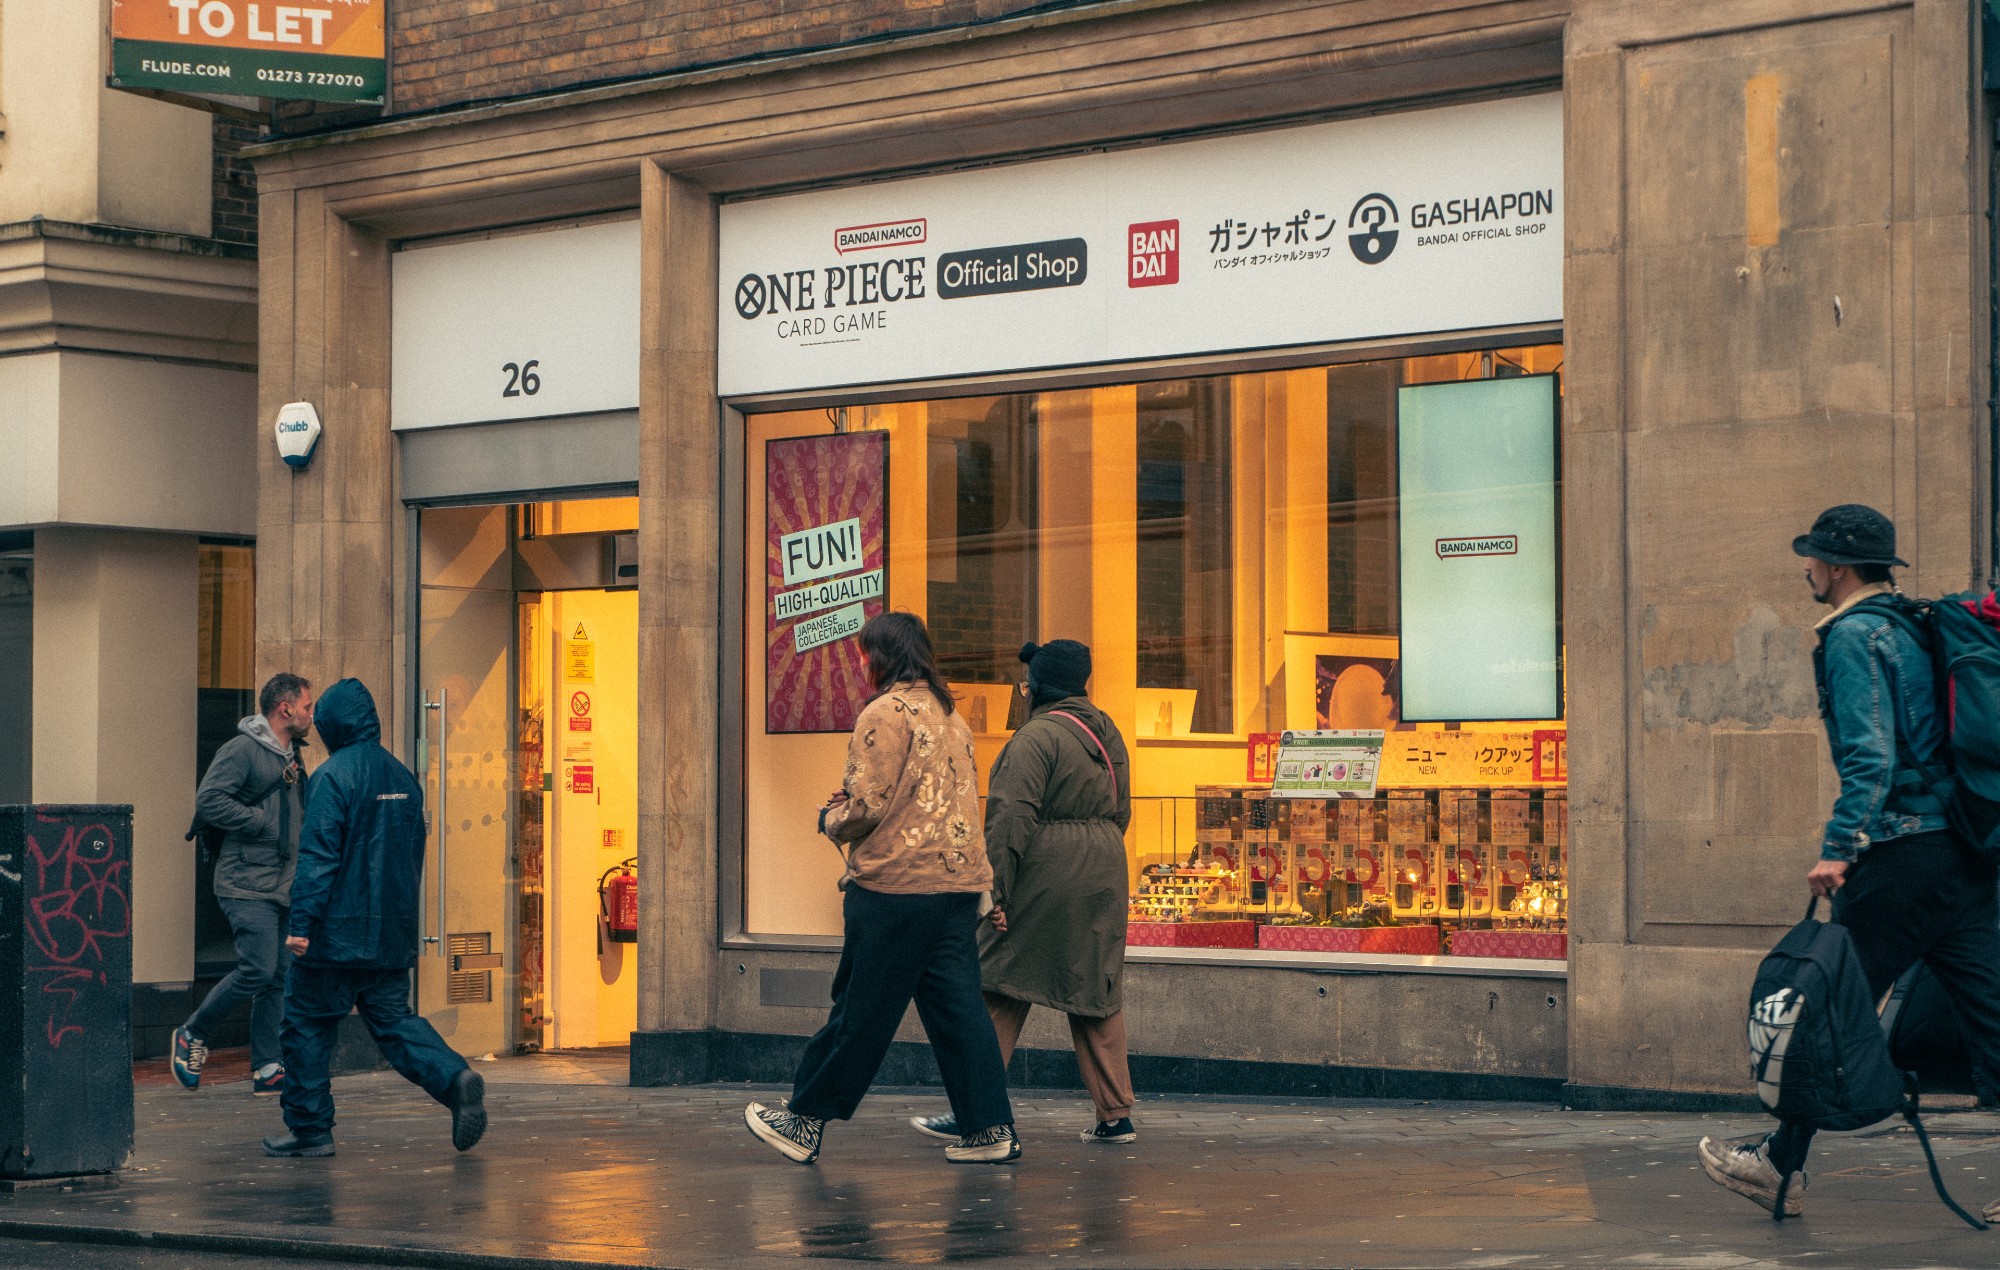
(440, 764)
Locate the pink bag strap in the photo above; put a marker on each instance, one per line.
(1112, 771)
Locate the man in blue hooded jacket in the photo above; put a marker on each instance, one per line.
(354, 931)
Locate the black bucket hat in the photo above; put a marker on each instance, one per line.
(1850, 534)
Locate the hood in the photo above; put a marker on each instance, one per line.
(346, 716)
(258, 729)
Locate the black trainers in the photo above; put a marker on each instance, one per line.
(792, 1136)
(467, 1100)
(942, 1127)
(268, 1081)
(190, 1055)
(1119, 1130)
(996, 1145)
(297, 1146)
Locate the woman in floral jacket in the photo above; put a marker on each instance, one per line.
(908, 815)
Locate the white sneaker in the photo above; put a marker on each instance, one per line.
(794, 1136)
(996, 1145)
(1745, 1167)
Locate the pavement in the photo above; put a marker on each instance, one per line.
(580, 1170)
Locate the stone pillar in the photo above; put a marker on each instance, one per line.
(115, 632)
(679, 631)
(1805, 333)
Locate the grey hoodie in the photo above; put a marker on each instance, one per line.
(260, 847)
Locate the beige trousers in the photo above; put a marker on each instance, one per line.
(1100, 1052)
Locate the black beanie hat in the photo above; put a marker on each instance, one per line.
(1061, 665)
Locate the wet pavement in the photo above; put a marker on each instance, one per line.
(580, 1169)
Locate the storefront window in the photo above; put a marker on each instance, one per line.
(1228, 546)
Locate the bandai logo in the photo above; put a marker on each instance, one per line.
(1155, 253)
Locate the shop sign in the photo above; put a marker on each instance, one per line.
(1434, 220)
(826, 505)
(524, 326)
(325, 51)
(1472, 760)
(1339, 763)
(1476, 474)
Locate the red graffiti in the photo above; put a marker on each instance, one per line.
(74, 890)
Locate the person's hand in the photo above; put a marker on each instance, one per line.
(998, 917)
(836, 798)
(1827, 877)
(297, 945)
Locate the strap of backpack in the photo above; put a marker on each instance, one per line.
(1910, 1113)
(1109, 770)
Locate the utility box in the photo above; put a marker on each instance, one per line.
(65, 990)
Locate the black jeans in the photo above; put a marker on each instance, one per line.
(901, 947)
(259, 928)
(1921, 898)
(317, 998)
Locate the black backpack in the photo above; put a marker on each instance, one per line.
(1818, 1049)
(1962, 635)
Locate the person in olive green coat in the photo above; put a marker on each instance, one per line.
(1057, 805)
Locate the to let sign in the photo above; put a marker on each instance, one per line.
(325, 50)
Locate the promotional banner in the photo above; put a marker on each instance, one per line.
(1422, 221)
(826, 573)
(524, 326)
(1477, 483)
(326, 51)
(1343, 763)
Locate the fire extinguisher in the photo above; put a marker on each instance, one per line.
(618, 905)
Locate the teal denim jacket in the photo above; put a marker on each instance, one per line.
(1878, 698)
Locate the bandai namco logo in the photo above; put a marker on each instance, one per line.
(1155, 253)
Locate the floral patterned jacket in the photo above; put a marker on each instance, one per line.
(911, 821)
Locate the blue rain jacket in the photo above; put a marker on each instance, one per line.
(361, 851)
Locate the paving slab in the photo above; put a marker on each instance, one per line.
(579, 1169)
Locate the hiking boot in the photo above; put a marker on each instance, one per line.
(190, 1055)
(942, 1127)
(467, 1100)
(1745, 1167)
(300, 1145)
(1119, 1130)
(996, 1145)
(793, 1136)
(268, 1081)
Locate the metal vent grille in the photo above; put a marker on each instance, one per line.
(468, 987)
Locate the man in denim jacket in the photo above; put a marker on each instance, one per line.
(1900, 880)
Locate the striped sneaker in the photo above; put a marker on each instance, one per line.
(792, 1136)
(996, 1145)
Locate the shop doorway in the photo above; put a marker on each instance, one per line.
(527, 677)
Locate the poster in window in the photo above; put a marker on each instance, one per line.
(825, 574)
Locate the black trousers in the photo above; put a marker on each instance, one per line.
(1922, 898)
(899, 948)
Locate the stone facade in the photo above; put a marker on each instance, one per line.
(1775, 300)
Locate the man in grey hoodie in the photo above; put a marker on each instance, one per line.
(253, 793)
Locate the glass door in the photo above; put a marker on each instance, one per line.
(467, 615)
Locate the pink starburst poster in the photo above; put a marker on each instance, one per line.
(825, 574)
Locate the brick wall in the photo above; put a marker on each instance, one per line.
(235, 183)
(449, 52)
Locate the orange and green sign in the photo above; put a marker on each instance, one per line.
(326, 50)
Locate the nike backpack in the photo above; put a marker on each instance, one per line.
(1817, 1047)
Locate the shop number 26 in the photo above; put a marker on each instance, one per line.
(521, 379)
